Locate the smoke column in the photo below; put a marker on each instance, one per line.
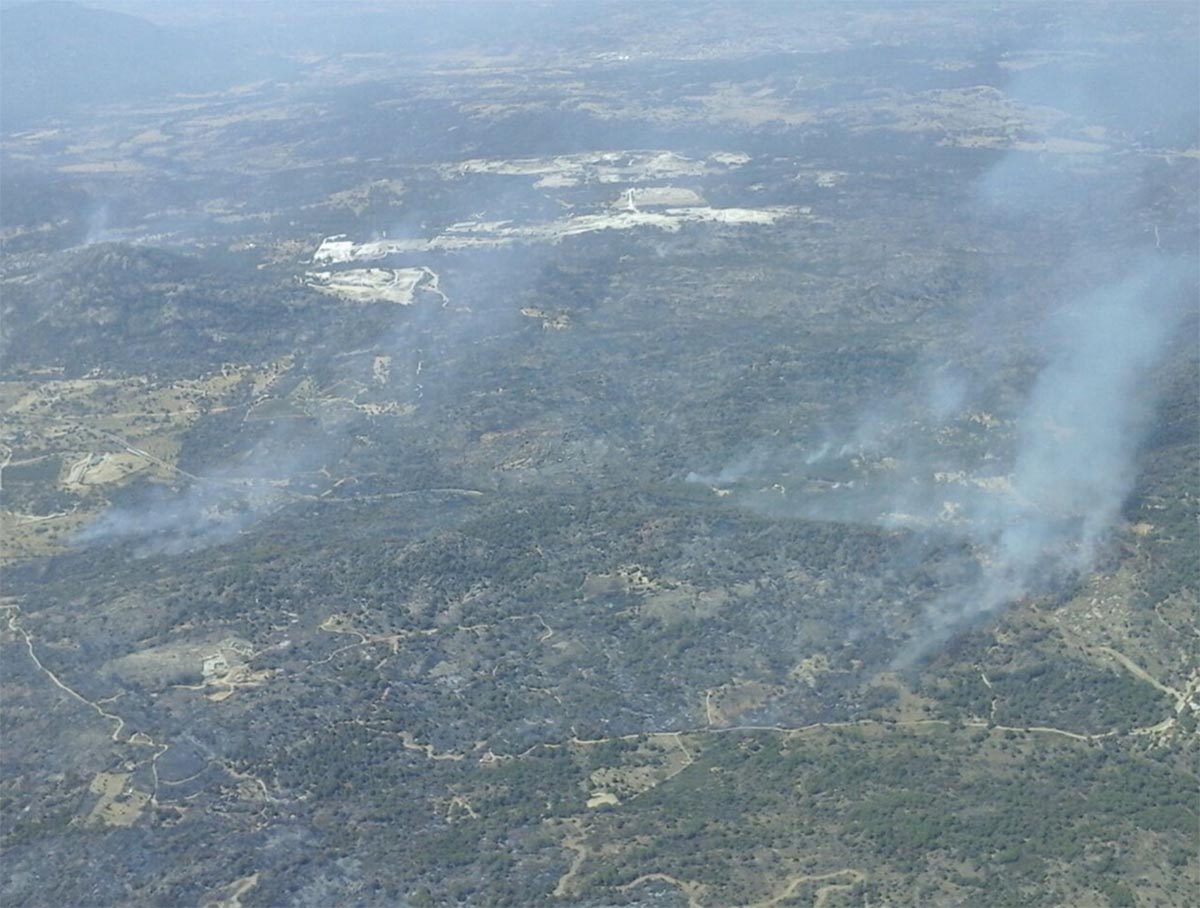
(1078, 436)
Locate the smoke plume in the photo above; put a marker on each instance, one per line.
(1077, 439)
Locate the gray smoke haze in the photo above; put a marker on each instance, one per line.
(1077, 438)
(431, 345)
(736, 471)
(1046, 412)
(1034, 493)
(212, 508)
(1078, 429)
(206, 513)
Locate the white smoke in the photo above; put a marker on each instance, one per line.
(1077, 438)
(213, 508)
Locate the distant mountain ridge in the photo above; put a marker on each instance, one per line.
(58, 56)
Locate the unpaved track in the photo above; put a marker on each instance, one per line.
(573, 842)
(1138, 672)
(14, 612)
(693, 890)
(138, 739)
(237, 889)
